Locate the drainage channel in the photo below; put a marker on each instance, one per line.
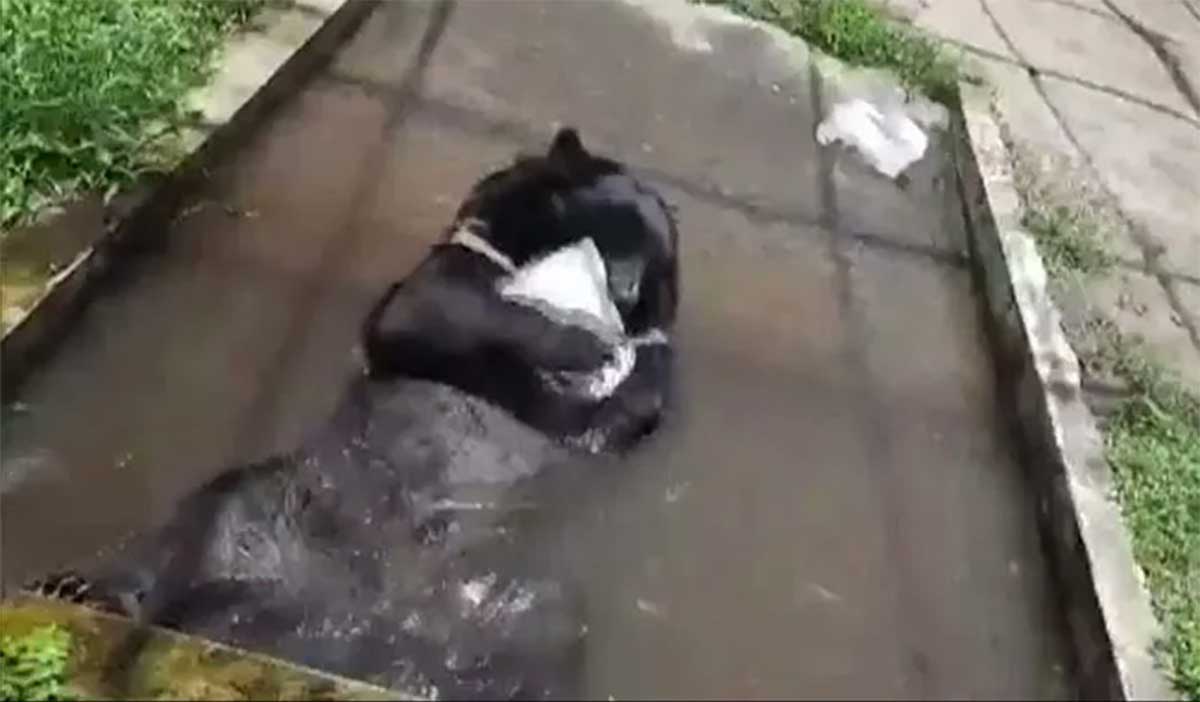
(833, 508)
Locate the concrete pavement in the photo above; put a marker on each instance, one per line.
(1102, 100)
(835, 508)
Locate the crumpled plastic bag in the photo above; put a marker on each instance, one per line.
(571, 287)
(888, 141)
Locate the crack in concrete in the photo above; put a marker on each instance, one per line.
(1181, 310)
(1174, 277)
(449, 114)
(1080, 8)
(1021, 62)
(454, 116)
(1152, 251)
(1192, 9)
(262, 413)
(906, 599)
(1158, 44)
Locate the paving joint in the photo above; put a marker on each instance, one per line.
(1036, 71)
(1193, 10)
(1169, 61)
(524, 135)
(1080, 7)
(854, 343)
(399, 105)
(1151, 250)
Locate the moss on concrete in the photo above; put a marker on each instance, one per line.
(169, 665)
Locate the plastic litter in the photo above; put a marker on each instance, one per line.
(888, 141)
(572, 281)
(571, 287)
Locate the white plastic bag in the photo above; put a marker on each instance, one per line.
(571, 287)
(889, 142)
(569, 284)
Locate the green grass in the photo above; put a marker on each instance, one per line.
(1068, 240)
(89, 88)
(1152, 440)
(1071, 220)
(856, 32)
(34, 666)
(1153, 445)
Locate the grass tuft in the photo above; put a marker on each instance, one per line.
(34, 666)
(88, 89)
(856, 32)
(1068, 240)
(1153, 445)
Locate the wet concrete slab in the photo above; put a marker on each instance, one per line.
(834, 507)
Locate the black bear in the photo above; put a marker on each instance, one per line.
(388, 546)
(448, 322)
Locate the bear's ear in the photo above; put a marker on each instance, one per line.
(567, 149)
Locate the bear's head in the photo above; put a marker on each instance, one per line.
(539, 204)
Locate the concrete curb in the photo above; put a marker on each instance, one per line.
(257, 70)
(167, 664)
(1109, 618)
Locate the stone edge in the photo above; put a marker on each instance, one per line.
(70, 615)
(1110, 621)
(66, 294)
